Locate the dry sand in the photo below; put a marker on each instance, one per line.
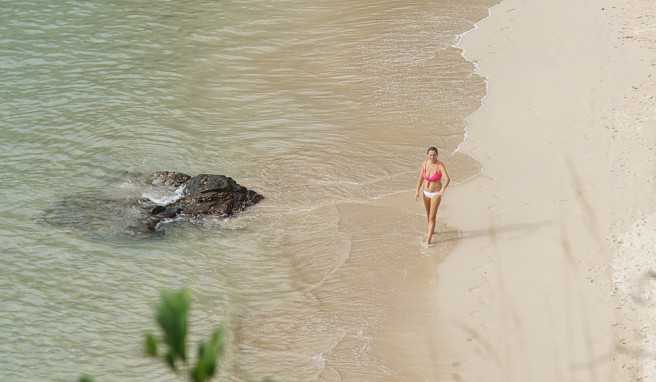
(549, 278)
(530, 301)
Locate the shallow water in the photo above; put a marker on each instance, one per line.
(323, 107)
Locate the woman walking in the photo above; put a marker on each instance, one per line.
(434, 179)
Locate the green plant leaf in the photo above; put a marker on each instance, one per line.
(172, 317)
(86, 378)
(150, 345)
(169, 358)
(198, 373)
(217, 340)
(209, 354)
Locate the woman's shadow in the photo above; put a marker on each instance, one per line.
(492, 231)
(447, 239)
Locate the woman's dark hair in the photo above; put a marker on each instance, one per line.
(432, 148)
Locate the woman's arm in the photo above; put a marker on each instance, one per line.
(420, 181)
(445, 176)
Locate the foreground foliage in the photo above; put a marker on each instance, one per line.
(172, 315)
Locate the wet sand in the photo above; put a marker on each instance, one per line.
(361, 283)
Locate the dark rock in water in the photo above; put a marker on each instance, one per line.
(215, 195)
(177, 197)
(169, 178)
(204, 183)
(204, 195)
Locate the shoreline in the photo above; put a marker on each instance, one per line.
(458, 45)
(412, 330)
(404, 340)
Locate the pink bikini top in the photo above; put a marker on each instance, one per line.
(432, 178)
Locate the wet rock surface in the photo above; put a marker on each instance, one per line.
(203, 195)
(149, 201)
(169, 178)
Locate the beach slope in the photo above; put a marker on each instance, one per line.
(527, 295)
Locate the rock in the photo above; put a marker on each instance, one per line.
(204, 195)
(169, 178)
(103, 214)
(205, 183)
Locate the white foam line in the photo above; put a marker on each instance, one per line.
(457, 45)
(167, 198)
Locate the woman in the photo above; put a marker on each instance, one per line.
(434, 178)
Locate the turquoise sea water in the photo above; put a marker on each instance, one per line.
(312, 104)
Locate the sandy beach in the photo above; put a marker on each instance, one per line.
(540, 271)
(564, 141)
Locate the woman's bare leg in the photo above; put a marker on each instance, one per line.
(427, 204)
(432, 219)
